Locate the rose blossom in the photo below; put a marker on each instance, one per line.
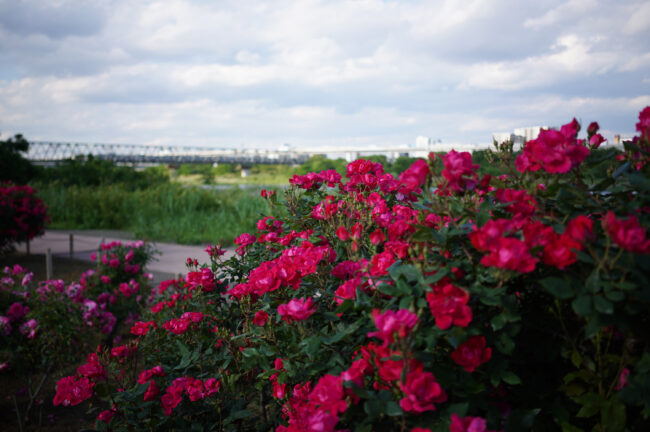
(391, 322)
(297, 310)
(261, 318)
(472, 353)
(421, 391)
(627, 233)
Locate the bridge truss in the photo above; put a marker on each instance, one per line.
(47, 152)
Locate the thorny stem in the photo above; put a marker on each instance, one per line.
(33, 396)
(20, 421)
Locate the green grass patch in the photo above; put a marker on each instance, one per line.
(165, 212)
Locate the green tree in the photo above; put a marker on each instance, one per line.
(13, 165)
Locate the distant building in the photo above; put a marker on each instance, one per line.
(518, 136)
(421, 148)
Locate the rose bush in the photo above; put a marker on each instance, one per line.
(43, 329)
(46, 327)
(377, 303)
(22, 215)
(119, 286)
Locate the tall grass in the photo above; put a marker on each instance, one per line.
(164, 212)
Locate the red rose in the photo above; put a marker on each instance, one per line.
(261, 318)
(152, 391)
(511, 254)
(380, 263)
(472, 353)
(627, 233)
(448, 305)
(421, 391)
(391, 322)
(328, 394)
(459, 171)
(297, 310)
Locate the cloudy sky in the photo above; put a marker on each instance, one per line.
(306, 72)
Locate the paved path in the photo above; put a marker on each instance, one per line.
(169, 263)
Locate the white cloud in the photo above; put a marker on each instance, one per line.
(315, 71)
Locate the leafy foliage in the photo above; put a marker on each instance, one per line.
(92, 172)
(438, 300)
(14, 166)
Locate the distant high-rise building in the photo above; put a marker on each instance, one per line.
(518, 136)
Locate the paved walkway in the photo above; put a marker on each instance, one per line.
(169, 263)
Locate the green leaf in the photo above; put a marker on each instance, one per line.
(185, 352)
(373, 408)
(567, 427)
(505, 344)
(242, 414)
(510, 378)
(639, 181)
(498, 321)
(593, 282)
(621, 170)
(576, 359)
(436, 277)
(335, 338)
(459, 408)
(559, 288)
(250, 352)
(393, 409)
(613, 415)
(592, 327)
(409, 271)
(582, 305)
(405, 302)
(603, 305)
(491, 300)
(588, 411)
(615, 296)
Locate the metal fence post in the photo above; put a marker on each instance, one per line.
(48, 264)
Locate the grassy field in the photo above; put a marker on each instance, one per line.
(171, 204)
(165, 212)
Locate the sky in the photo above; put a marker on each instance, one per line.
(318, 73)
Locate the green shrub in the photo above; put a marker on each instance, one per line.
(381, 304)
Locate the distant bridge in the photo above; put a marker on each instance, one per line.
(49, 152)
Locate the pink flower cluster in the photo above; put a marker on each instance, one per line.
(285, 271)
(468, 424)
(627, 233)
(392, 325)
(553, 151)
(448, 304)
(194, 388)
(472, 353)
(510, 253)
(22, 213)
(180, 325)
(16, 313)
(204, 278)
(243, 240)
(414, 177)
(73, 390)
(315, 409)
(297, 310)
(459, 171)
(141, 328)
(311, 180)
